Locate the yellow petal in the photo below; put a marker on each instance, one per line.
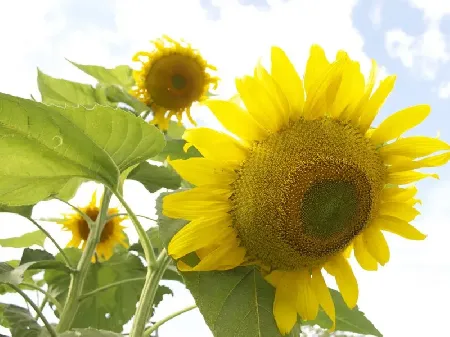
(284, 73)
(399, 210)
(274, 90)
(376, 244)
(400, 163)
(399, 227)
(201, 171)
(375, 102)
(224, 257)
(274, 277)
(359, 109)
(345, 279)
(406, 177)
(414, 147)
(284, 309)
(323, 295)
(349, 92)
(323, 92)
(397, 194)
(200, 233)
(208, 141)
(307, 303)
(260, 104)
(395, 125)
(236, 120)
(196, 203)
(316, 67)
(364, 258)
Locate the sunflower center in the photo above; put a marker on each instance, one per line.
(175, 81)
(84, 230)
(304, 193)
(178, 81)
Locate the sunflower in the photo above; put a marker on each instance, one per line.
(171, 79)
(303, 182)
(111, 235)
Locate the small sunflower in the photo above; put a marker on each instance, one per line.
(111, 235)
(171, 79)
(304, 182)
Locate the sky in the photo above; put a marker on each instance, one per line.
(409, 38)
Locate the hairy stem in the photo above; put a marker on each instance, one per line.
(154, 275)
(78, 279)
(48, 326)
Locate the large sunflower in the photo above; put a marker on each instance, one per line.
(304, 181)
(172, 77)
(111, 236)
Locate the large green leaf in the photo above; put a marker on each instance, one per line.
(109, 309)
(41, 150)
(120, 75)
(33, 238)
(11, 275)
(26, 276)
(155, 177)
(351, 320)
(24, 211)
(57, 91)
(128, 139)
(21, 323)
(117, 94)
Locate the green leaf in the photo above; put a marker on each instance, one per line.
(116, 94)
(236, 303)
(89, 333)
(351, 320)
(120, 75)
(128, 139)
(22, 324)
(57, 91)
(160, 292)
(3, 322)
(11, 275)
(26, 240)
(69, 189)
(155, 177)
(175, 130)
(109, 309)
(174, 150)
(41, 150)
(27, 276)
(24, 211)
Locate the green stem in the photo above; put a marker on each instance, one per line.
(48, 296)
(145, 241)
(148, 294)
(63, 254)
(109, 286)
(77, 279)
(125, 214)
(41, 306)
(155, 326)
(50, 329)
(82, 214)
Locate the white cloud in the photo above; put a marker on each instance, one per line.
(444, 90)
(375, 13)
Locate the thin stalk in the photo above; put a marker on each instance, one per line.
(41, 306)
(145, 241)
(126, 214)
(78, 279)
(48, 326)
(47, 295)
(63, 254)
(155, 326)
(109, 286)
(76, 209)
(148, 294)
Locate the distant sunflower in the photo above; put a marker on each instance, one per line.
(304, 182)
(111, 236)
(171, 79)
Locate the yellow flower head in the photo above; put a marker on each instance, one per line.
(171, 79)
(304, 181)
(111, 235)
